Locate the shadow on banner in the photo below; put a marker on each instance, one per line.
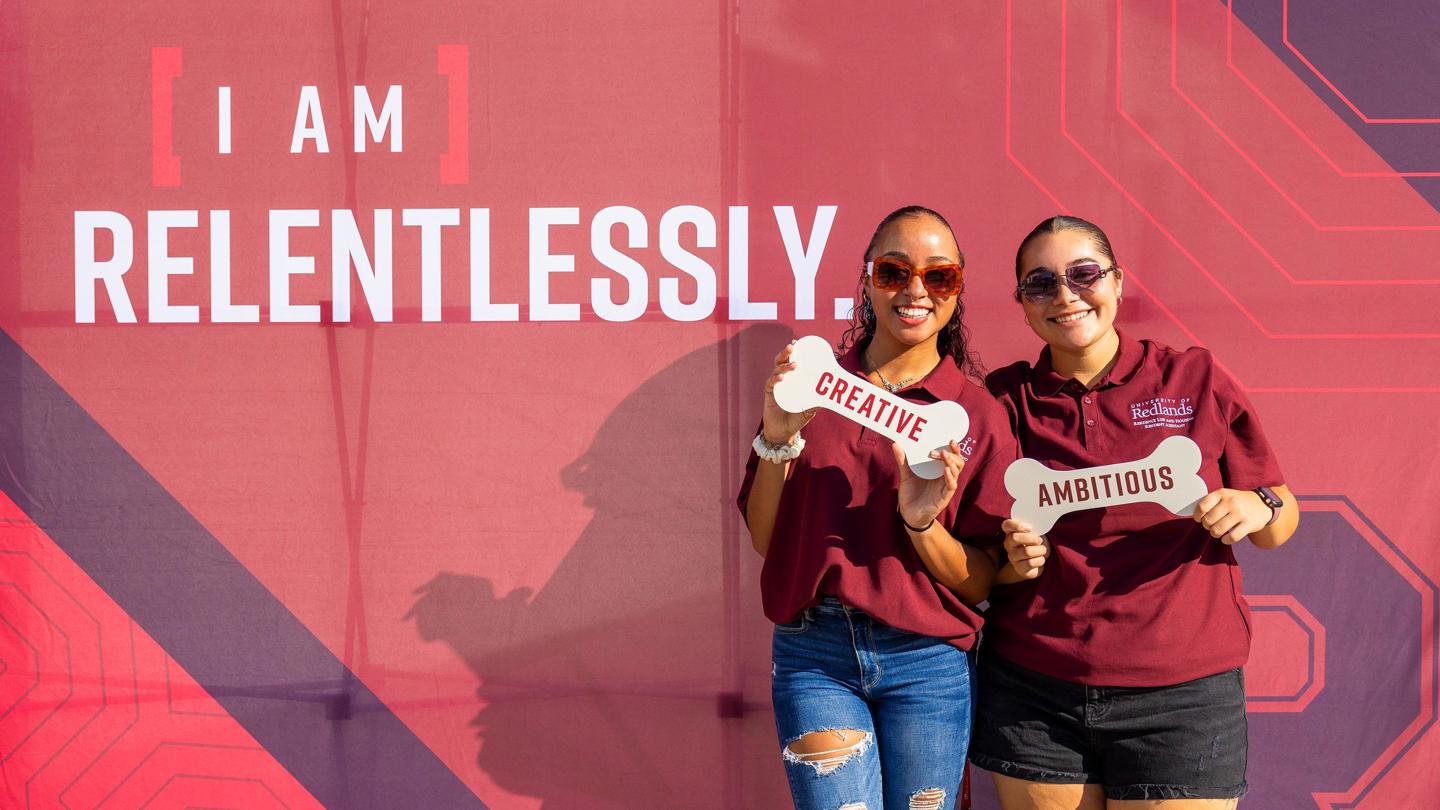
(608, 687)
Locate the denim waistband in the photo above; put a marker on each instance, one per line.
(832, 604)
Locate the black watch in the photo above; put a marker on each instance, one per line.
(1271, 500)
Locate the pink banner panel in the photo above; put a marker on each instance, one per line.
(376, 377)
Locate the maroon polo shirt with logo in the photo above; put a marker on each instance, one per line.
(838, 531)
(1131, 595)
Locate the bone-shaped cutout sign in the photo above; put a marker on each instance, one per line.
(1169, 476)
(818, 381)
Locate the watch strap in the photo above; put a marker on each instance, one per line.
(1270, 499)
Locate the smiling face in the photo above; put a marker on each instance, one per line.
(912, 316)
(1071, 322)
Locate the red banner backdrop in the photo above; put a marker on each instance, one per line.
(375, 377)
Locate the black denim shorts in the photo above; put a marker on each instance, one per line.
(1185, 741)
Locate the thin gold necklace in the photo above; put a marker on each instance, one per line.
(895, 386)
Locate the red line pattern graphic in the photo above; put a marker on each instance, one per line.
(1171, 177)
(1210, 197)
(1307, 624)
(1426, 669)
(94, 714)
(1285, 35)
(1264, 60)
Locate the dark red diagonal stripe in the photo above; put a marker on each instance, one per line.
(205, 608)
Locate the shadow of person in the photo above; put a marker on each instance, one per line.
(638, 675)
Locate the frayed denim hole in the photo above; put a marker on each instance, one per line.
(928, 799)
(827, 762)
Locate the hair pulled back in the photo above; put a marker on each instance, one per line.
(1056, 224)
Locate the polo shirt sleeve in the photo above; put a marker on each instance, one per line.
(983, 503)
(751, 465)
(1247, 460)
(1003, 384)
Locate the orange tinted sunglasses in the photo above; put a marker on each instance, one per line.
(890, 274)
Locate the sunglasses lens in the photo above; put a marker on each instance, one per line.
(1040, 285)
(943, 280)
(1085, 275)
(887, 274)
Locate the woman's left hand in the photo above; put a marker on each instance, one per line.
(922, 499)
(1230, 515)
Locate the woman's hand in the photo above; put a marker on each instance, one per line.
(781, 425)
(1230, 515)
(1025, 550)
(964, 569)
(921, 499)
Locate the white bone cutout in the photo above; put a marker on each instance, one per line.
(919, 428)
(1176, 459)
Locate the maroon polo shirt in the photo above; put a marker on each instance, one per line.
(1131, 595)
(838, 532)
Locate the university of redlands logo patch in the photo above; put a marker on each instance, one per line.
(1162, 412)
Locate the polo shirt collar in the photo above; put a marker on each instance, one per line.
(1127, 361)
(1046, 382)
(945, 381)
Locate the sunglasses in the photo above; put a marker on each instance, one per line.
(890, 274)
(1042, 285)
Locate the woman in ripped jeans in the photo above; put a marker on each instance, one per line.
(871, 573)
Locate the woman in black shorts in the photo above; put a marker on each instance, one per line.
(1110, 675)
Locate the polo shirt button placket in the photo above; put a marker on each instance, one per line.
(1087, 409)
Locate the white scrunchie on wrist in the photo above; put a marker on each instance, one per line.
(777, 453)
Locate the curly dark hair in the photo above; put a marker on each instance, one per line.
(954, 338)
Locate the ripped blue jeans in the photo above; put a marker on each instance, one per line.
(893, 709)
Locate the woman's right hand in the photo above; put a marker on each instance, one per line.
(1026, 550)
(781, 425)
